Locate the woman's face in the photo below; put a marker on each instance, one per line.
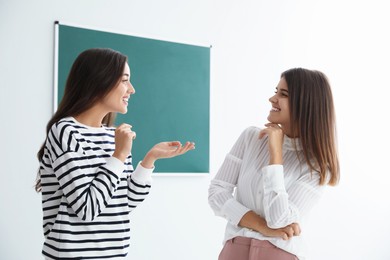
(118, 98)
(280, 112)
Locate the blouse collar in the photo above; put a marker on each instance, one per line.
(292, 143)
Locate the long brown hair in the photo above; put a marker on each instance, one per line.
(94, 73)
(313, 120)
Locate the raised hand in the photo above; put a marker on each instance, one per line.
(166, 150)
(275, 142)
(124, 137)
(170, 149)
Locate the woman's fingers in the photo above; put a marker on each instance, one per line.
(263, 133)
(270, 127)
(175, 143)
(126, 130)
(188, 146)
(133, 135)
(124, 137)
(124, 126)
(183, 149)
(171, 149)
(290, 231)
(296, 228)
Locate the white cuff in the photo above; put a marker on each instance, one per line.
(233, 211)
(274, 177)
(142, 174)
(115, 165)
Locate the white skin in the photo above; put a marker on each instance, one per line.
(116, 101)
(279, 118)
(279, 124)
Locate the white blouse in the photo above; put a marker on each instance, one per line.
(282, 194)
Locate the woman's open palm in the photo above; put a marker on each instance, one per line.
(170, 149)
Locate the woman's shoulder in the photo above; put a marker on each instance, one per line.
(68, 126)
(61, 125)
(67, 122)
(59, 138)
(71, 124)
(69, 134)
(251, 132)
(250, 135)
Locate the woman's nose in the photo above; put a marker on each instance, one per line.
(131, 89)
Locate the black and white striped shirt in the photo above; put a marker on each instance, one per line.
(87, 194)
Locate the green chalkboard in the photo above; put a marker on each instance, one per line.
(172, 83)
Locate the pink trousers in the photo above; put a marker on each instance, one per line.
(244, 248)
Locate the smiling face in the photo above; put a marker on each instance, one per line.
(117, 99)
(280, 111)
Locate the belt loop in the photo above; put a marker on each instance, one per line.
(241, 240)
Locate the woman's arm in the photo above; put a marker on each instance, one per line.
(221, 188)
(165, 150)
(140, 180)
(88, 182)
(283, 207)
(255, 222)
(224, 204)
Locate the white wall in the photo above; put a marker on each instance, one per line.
(253, 42)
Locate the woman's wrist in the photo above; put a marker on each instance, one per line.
(253, 221)
(119, 156)
(276, 158)
(275, 161)
(148, 161)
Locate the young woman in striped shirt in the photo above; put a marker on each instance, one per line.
(278, 173)
(86, 176)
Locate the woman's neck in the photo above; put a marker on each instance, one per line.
(92, 117)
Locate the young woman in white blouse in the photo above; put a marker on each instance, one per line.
(273, 176)
(88, 183)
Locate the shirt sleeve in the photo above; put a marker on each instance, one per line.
(139, 185)
(86, 182)
(283, 207)
(221, 189)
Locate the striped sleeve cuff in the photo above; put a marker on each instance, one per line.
(233, 211)
(273, 178)
(115, 165)
(142, 174)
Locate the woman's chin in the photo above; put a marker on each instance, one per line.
(271, 119)
(124, 111)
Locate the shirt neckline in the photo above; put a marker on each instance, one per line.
(86, 126)
(292, 143)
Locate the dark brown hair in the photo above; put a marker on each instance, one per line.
(313, 120)
(94, 73)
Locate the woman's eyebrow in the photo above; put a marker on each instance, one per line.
(282, 89)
